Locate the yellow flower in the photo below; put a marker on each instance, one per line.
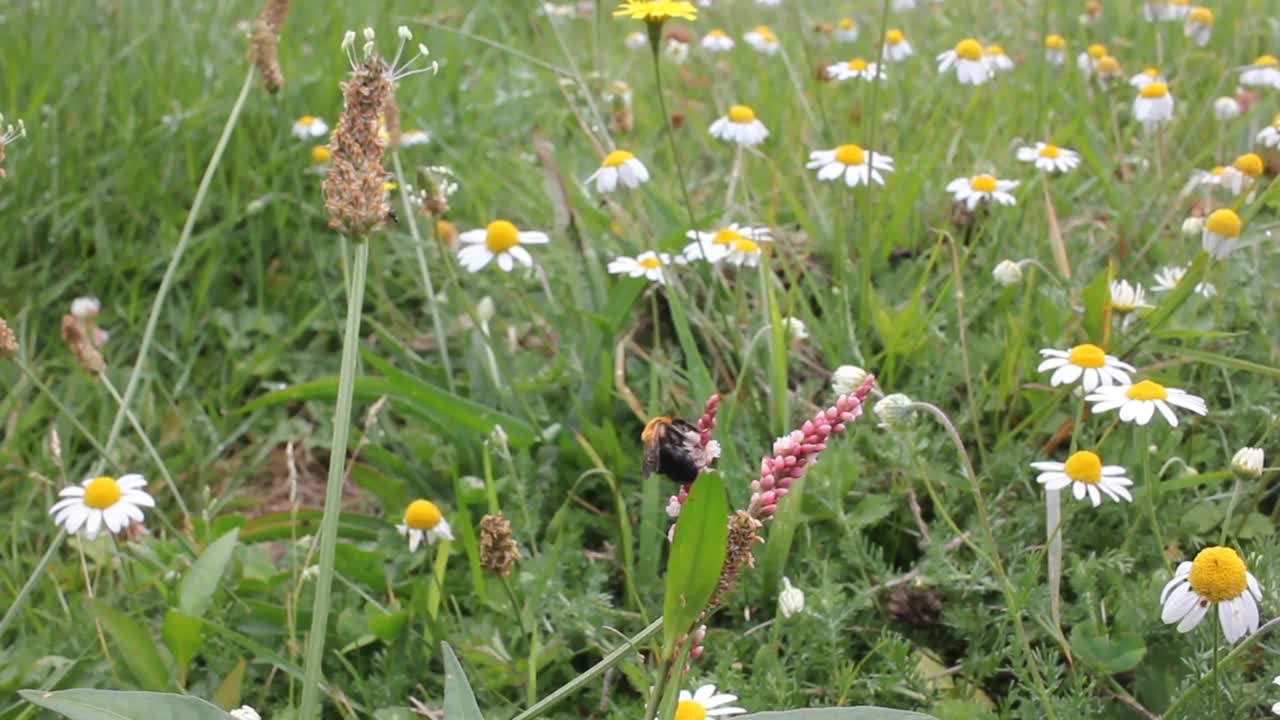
(656, 11)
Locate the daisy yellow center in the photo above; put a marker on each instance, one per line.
(501, 236)
(102, 492)
(1250, 164)
(717, 33)
(1049, 151)
(726, 236)
(1055, 42)
(969, 49)
(745, 246)
(894, 37)
(741, 114)
(847, 24)
(1097, 51)
(850, 155)
(1179, 2)
(983, 183)
(320, 154)
(1267, 61)
(1154, 90)
(1218, 574)
(1224, 222)
(690, 710)
(857, 64)
(1217, 170)
(422, 515)
(1108, 65)
(1084, 466)
(1087, 356)
(307, 120)
(1146, 390)
(995, 50)
(1151, 72)
(616, 158)
(1201, 16)
(649, 262)
(765, 33)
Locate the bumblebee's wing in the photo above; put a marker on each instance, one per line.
(653, 450)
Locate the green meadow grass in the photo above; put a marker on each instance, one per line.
(124, 103)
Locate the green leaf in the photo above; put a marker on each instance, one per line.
(697, 556)
(1224, 361)
(868, 511)
(861, 712)
(459, 701)
(228, 693)
(703, 386)
(1117, 653)
(1255, 525)
(201, 580)
(183, 634)
(280, 526)
(87, 704)
(1179, 295)
(137, 648)
(1097, 311)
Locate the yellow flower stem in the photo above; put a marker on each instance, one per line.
(309, 706)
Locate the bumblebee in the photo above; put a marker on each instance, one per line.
(668, 448)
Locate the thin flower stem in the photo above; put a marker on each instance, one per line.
(1015, 611)
(310, 703)
(1143, 435)
(962, 324)
(1248, 642)
(21, 597)
(595, 671)
(437, 325)
(146, 442)
(104, 456)
(171, 272)
(1231, 509)
(1217, 684)
(655, 36)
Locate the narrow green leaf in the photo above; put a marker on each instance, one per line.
(459, 701)
(861, 712)
(1224, 361)
(702, 384)
(697, 556)
(201, 580)
(137, 648)
(228, 693)
(183, 634)
(1097, 310)
(87, 704)
(280, 526)
(1179, 295)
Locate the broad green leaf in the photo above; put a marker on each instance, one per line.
(1255, 525)
(697, 556)
(88, 704)
(229, 691)
(861, 712)
(1097, 308)
(201, 580)
(386, 625)
(184, 635)
(1224, 361)
(137, 648)
(1119, 652)
(459, 701)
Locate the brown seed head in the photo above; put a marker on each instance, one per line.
(265, 41)
(8, 341)
(81, 346)
(498, 551)
(353, 193)
(744, 533)
(392, 121)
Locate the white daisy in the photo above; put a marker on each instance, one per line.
(1169, 277)
(1264, 72)
(996, 59)
(1218, 576)
(423, 519)
(676, 51)
(409, 138)
(705, 702)
(1127, 298)
(1138, 402)
(846, 30)
(1221, 233)
(1154, 104)
(1145, 78)
(1049, 157)
(309, 126)
(716, 246)
(857, 166)
(1086, 361)
(102, 501)
(1208, 177)
(855, 68)
(904, 4)
(1269, 136)
(501, 240)
(973, 190)
(1055, 49)
(1087, 61)
(637, 40)
(1199, 26)
(647, 265)
(1107, 71)
(970, 64)
(1007, 272)
(740, 126)
(1086, 475)
(763, 40)
(717, 41)
(619, 166)
(896, 46)
(1227, 108)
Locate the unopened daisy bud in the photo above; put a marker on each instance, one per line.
(895, 411)
(790, 600)
(1247, 462)
(1007, 272)
(485, 310)
(1226, 108)
(794, 329)
(498, 551)
(1193, 226)
(846, 378)
(244, 712)
(8, 341)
